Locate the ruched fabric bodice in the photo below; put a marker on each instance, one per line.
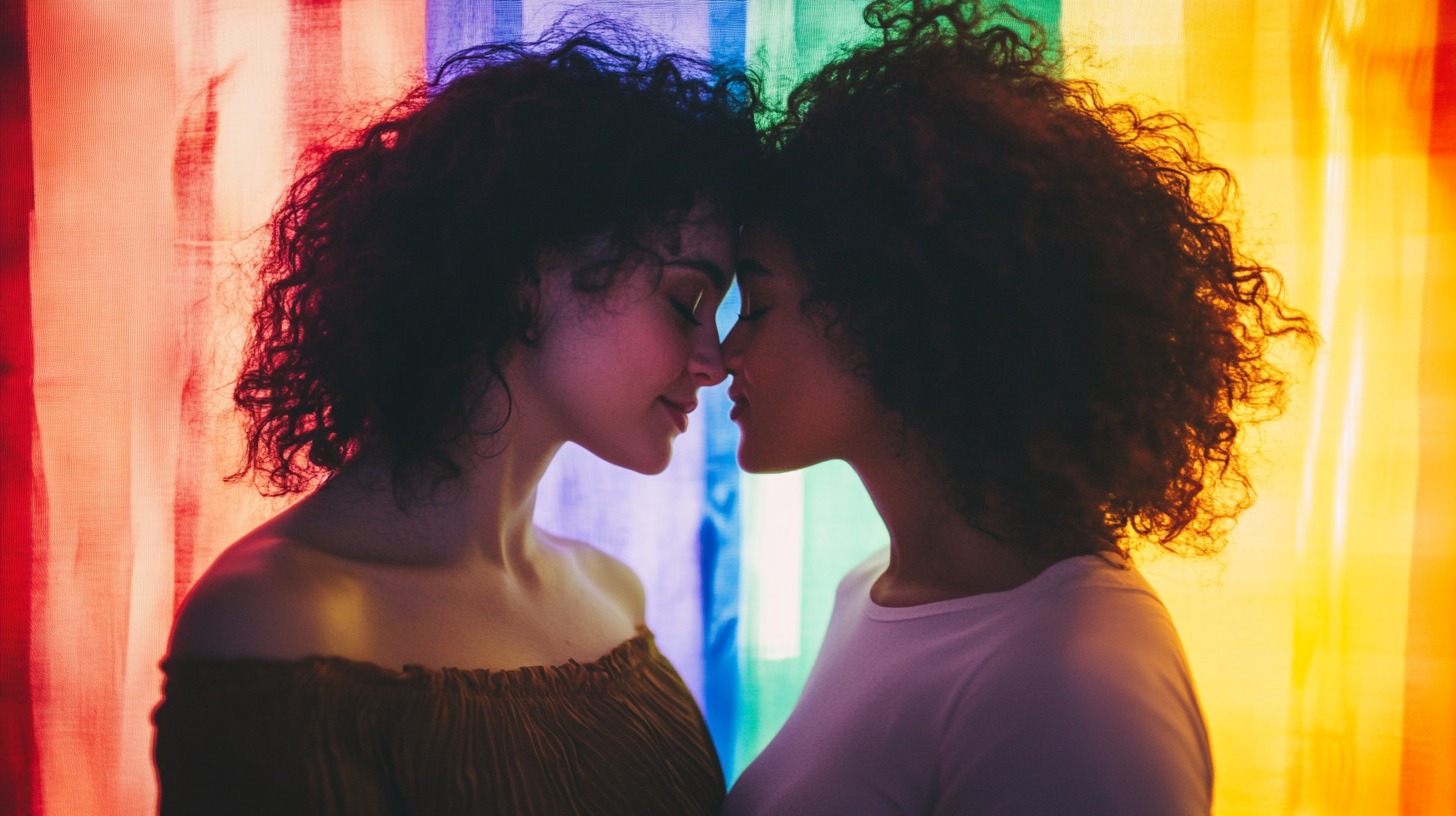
(328, 735)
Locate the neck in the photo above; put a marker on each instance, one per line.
(936, 553)
(483, 517)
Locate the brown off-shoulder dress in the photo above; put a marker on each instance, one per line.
(328, 735)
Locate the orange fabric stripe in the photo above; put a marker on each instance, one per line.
(1428, 748)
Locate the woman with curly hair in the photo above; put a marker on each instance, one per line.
(527, 252)
(1014, 310)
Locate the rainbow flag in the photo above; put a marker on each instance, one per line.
(143, 143)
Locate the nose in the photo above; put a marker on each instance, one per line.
(706, 364)
(732, 349)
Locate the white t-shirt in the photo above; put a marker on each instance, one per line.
(1065, 696)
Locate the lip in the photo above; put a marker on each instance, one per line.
(740, 403)
(679, 411)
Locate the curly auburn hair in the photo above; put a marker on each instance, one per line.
(1042, 284)
(395, 280)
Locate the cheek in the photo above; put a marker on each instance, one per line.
(805, 405)
(778, 426)
(656, 360)
(637, 349)
(783, 430)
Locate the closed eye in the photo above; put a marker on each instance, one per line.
(689, 313)
(747, 313)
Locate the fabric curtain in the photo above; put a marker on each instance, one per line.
(143, 143)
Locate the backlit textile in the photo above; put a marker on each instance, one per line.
(142, 145)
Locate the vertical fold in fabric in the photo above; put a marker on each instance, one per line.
(102, 294)
(193, 175)
(1429, 739)
(315, 59)
(1360, 79)
(17, 416)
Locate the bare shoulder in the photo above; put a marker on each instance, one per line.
(609, 574)
(266, 596)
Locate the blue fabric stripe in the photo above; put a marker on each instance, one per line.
(506, 26)
(721, 536)
(727, 31)
(720, 553)
(451, 25)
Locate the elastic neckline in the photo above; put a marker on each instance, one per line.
(620, 662)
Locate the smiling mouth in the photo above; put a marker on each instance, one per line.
(678, 411)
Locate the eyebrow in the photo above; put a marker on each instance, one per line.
(712, 270)
(751, 268)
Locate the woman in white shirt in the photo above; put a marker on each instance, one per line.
(1014, 310)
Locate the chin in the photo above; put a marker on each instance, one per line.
(753, 459)
(651, 469)
(648, 463)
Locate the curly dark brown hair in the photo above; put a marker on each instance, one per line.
(398, 269)
(1045, 286)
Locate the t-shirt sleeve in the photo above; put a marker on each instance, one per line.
(1078, 727)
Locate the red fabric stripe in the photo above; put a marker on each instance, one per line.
(193, 171)
(17, 416)
(1429, 742)
(315, 59)
(1443, 96)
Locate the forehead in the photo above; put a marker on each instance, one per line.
(705, 220)
(700, 242)
(764, 255)
(703, 234)
(706, 246)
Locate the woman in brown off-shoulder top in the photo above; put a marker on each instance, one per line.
(525, 253)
